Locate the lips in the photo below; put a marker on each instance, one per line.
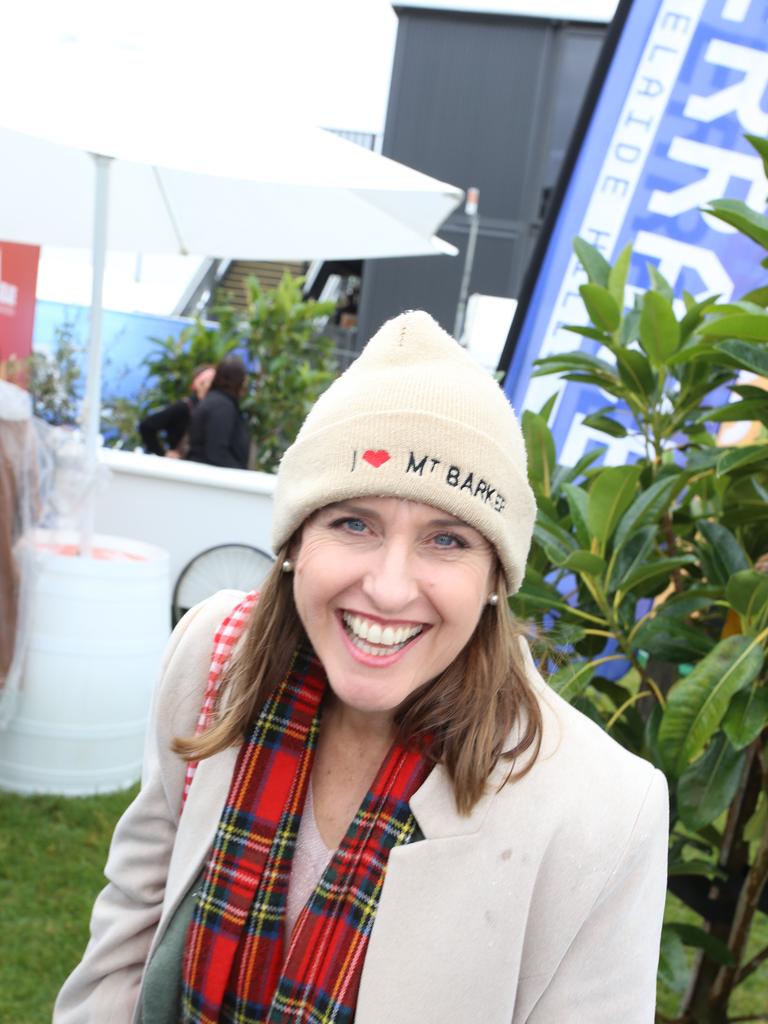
(375, 638)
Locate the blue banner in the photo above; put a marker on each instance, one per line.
(686, 80)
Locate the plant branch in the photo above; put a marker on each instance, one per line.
(751, 966)
(747, 904)
(627, 704)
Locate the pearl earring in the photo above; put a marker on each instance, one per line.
(287, 565)
(493, 600)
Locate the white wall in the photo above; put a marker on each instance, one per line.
(184, 507)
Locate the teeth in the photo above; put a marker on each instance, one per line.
(388, 639)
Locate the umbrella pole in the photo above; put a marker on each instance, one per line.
(91, 419)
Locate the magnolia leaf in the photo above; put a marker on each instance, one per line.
(586, 562)
(567, 474)
(707, 787)
(747, 592)
(643, 576)
(603, 309)
(535, 593)
(617, 276)
(755, 827)
(746, 326)
(630, 329)
(605, 424)
(733, 459)
(541, 451)
(578, 501)
(697, 703)
(632, 552)
(722, 553)
(693, 936)
(572, 680)
(672, 640)
(694, 313)
(673, 963)
(738, 412)
(702, 868)
(659, 329)
(739, 215)
(759, 296)
(635, 372)
(761, 145)
(660, 283)
(746, 716)
(589, 332)
(649, 505)
(610, 495)
(546, 410)
(596, 265)
(746, 355)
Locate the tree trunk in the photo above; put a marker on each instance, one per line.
(704, 1002)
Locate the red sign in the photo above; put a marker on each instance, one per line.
(18, 281)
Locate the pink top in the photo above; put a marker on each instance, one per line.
(309, 862)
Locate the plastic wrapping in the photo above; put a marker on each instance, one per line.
(44, 482)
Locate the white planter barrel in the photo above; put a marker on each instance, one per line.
(98, 627)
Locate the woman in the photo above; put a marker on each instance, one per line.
(387, 815)
(218, 434)
(173, 420)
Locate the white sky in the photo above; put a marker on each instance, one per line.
(326, 62)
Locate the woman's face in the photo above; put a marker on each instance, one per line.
(389, 592)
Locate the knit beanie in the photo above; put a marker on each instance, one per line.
(414, 417)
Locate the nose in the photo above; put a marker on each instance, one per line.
(391, 581)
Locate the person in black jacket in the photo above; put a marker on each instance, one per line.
(218, 434)
(173, 420)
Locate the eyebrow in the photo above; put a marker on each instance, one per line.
(363, 510)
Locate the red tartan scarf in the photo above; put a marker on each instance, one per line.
(236, 967)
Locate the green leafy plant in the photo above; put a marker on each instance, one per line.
(169, 369)
(55, 380)
(295, 364)
(278, 335)
(659, 569)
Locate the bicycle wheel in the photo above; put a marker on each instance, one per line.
(236, 566)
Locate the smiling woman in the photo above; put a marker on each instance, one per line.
(381, 812)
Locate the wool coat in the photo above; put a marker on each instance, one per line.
(541, 906)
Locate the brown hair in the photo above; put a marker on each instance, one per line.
(229, 376)
(469, 709)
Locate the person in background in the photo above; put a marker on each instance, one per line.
(361, 801)
(218, 434)
(173, 420)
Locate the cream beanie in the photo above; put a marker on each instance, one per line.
(414, 417)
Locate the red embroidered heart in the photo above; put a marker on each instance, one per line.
(376, 459)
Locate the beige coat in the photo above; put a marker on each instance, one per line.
(544, 905)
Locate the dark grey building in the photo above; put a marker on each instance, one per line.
(486, 100)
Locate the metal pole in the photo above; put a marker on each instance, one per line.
(91, 414)
(470, 208)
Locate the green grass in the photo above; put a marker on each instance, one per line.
(52, 854)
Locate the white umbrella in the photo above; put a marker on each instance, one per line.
(197, 147)
(283, 192)
(288, 192)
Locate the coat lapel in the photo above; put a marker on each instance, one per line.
(418, 881)
(197, 826)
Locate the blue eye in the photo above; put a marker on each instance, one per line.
(350, 523)
(449, 540)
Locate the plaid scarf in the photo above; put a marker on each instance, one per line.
(236, 970)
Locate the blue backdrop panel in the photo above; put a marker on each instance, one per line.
(127, 340)
(685, 81)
